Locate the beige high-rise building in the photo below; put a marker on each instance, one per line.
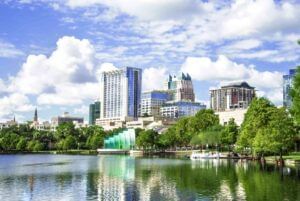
(236, 95)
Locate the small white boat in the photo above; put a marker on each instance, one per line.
(199, 155)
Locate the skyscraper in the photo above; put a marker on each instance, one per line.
(94, 112)
(120, 95)
(236, 95)
(182, 87)
(287, 84)
(152, 101)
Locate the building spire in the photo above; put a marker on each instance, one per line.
(35, 118)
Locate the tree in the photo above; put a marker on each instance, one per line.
(202, 120)
(256, 117)
(266, 128)
(95, 141)
(229, 134)
(211, 136)
(196, 140)
(147, 139)
(38, 146)
(66, 129)
(69, 143)
(167, 139)
(21, 146)
(9, 140)
(91, 137)
(295, 95)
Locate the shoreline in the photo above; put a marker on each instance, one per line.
(289, 160)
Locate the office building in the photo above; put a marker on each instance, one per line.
(287, 84)
(94, 112)
(233, 96)
(120, 96)
(55, 121)
(181, 86)
(238, 115)
(152, 101)
(177, 109)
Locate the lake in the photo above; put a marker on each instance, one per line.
(75, 177)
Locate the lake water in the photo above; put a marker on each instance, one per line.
(73, 177)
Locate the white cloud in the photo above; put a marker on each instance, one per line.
(148, 9)
(13, 103)
(153, 78)
(70, 94)
(72, 61)
(245, 44)
(8, 50)
(223, 69)
(203, 68)
(105, 67)
(82, 110)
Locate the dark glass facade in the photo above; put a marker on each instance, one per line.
(94, 112)
(134, 76)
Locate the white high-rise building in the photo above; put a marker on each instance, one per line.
(120, 96)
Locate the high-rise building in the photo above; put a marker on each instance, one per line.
(120, 95)
(177, 109)
(287, 84)
(94, 112)
(55, 121)
(181, 86)
(152, 101)
(233, 96)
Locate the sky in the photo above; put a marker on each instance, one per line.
(52, 52)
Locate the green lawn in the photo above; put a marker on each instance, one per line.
(292, 156)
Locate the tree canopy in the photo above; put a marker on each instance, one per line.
(295, 95)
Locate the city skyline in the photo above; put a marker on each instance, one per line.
(50, 47)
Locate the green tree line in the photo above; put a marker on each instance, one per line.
(66, 137)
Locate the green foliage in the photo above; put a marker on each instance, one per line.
(147, 139)
(295, 95)
(22, 144)
(95, 141)
(211, 136)
(38, 146)
(66, 129)
(184, 131)
(23, 138)
(256, 117)
(8, 141)
(230, 133)
(196, 140)
(203, 120)
(266, 128)
(69, 143)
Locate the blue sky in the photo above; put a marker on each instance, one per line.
(52, 51)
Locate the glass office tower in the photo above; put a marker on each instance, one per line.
(152, 101)
(120, 94)
(287, 84)
(94, 112)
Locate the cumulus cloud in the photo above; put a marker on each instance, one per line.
(153, 78)
(223, 69)
(71, 62)
(13, 103)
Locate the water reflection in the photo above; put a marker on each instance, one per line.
(48, 177)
